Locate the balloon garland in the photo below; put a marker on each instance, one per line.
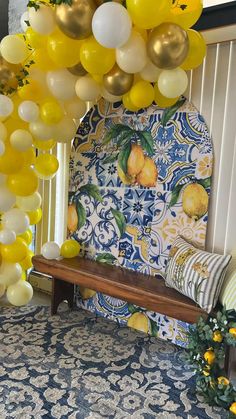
(73, 52)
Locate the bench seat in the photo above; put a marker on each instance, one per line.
(143, 290)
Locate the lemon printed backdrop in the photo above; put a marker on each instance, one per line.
(137, 180)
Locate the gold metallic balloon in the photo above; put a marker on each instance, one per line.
(168, 46)
(77, 70)
(75, 21)
(8, 75)
(118, 82)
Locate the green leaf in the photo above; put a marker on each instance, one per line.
(123, 157)
(169, 112)
(206, 183)
(120, 220)
(114, 132)
(81, 215)
(106, 258)
(110, 159)
(175, 195)
(154, 328)
(124, 138)
(147, 142)
(91, 190)
(132, 309)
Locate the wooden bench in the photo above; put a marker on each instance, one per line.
(144, 290)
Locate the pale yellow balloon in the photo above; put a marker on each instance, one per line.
(20, 293)
(21, 140)
(2, 290)
(10, 273)
(13, 49)
(29, 203)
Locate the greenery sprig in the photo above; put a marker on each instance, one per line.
(208, 340)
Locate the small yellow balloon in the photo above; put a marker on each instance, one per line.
(128, 103)
(162, 101)
(35, 216)
(148, 14)
(63, 51)
(42, 61)
(44, 145)
(26, 263)
(51, 112)
(185, 16)
(31, 91)
(11, 161)
(95, 58)
(23, 183)
(27, 236)
(29, 157)
(34, 39)
(46, 165)
(15, 252)
(24, 276)
(197, 50)
(70, 249)
(142, 94)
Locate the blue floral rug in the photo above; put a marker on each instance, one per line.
(76, 366)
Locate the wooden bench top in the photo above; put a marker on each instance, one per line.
(143, 290)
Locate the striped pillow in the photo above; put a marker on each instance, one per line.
(196, 273)
(228, 292)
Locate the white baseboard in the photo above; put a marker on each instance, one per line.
(40, 282)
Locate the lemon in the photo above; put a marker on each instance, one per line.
(209, 357)
(135, 161)
(195, 201)
(139, 321)
(233, 408)
(232, 330)
(126, 179)
(223, 380)
(148, 175)
(217, 336)
(86, 293)
(72, 218)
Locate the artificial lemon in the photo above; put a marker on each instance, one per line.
(139, 321)
(86, 293)
(232, 330)
(223, 380)
(209, 356)
(217, 336)
(233, 408)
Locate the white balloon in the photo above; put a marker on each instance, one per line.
(65, 130)
(2, 290)
(51, 250)
(132, 56)
(28, 111)
(13, 49)
(29, 203)
(21, 140)
(6, 106)
(2, 147)
(7, 199)
(20, 293)
(109, 97)
(173, 83)
(87, 88)
(16, 220)
(111, 25)
(24, 18)
(3, 132)
(41, 131)
(150, 72)
(7, 236)
(3, 179)
(61, 84)
(42, 20)
(10, 273)
(75, 108)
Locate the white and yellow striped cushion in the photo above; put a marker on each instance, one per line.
(228, 292)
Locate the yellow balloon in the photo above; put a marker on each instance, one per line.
(185, 16)
(20, 293)
(44, 145)
(128, 104)
(46, 164)
(35, 216)
(51, 112)
(24, 276)
(11, 161)
(26, 236)
(63, 51)
(42, 60)
(12, 124)
(70, 249)
(142, 94)
(31, 91)
(14, 49)
(14, 252)
(26, 263)
(95, 58)
(162, 101)
(148, 13)
(23, 183)
(29, 157)
(34, 39)
(196, 52)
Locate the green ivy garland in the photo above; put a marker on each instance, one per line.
(206, 353)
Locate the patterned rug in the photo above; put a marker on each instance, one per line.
(76, 366)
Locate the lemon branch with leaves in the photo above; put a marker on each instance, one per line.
(208, 340)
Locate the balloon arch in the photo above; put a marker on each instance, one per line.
(73, 52)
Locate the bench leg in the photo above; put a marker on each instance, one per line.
(230, 363)
(61, 291)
